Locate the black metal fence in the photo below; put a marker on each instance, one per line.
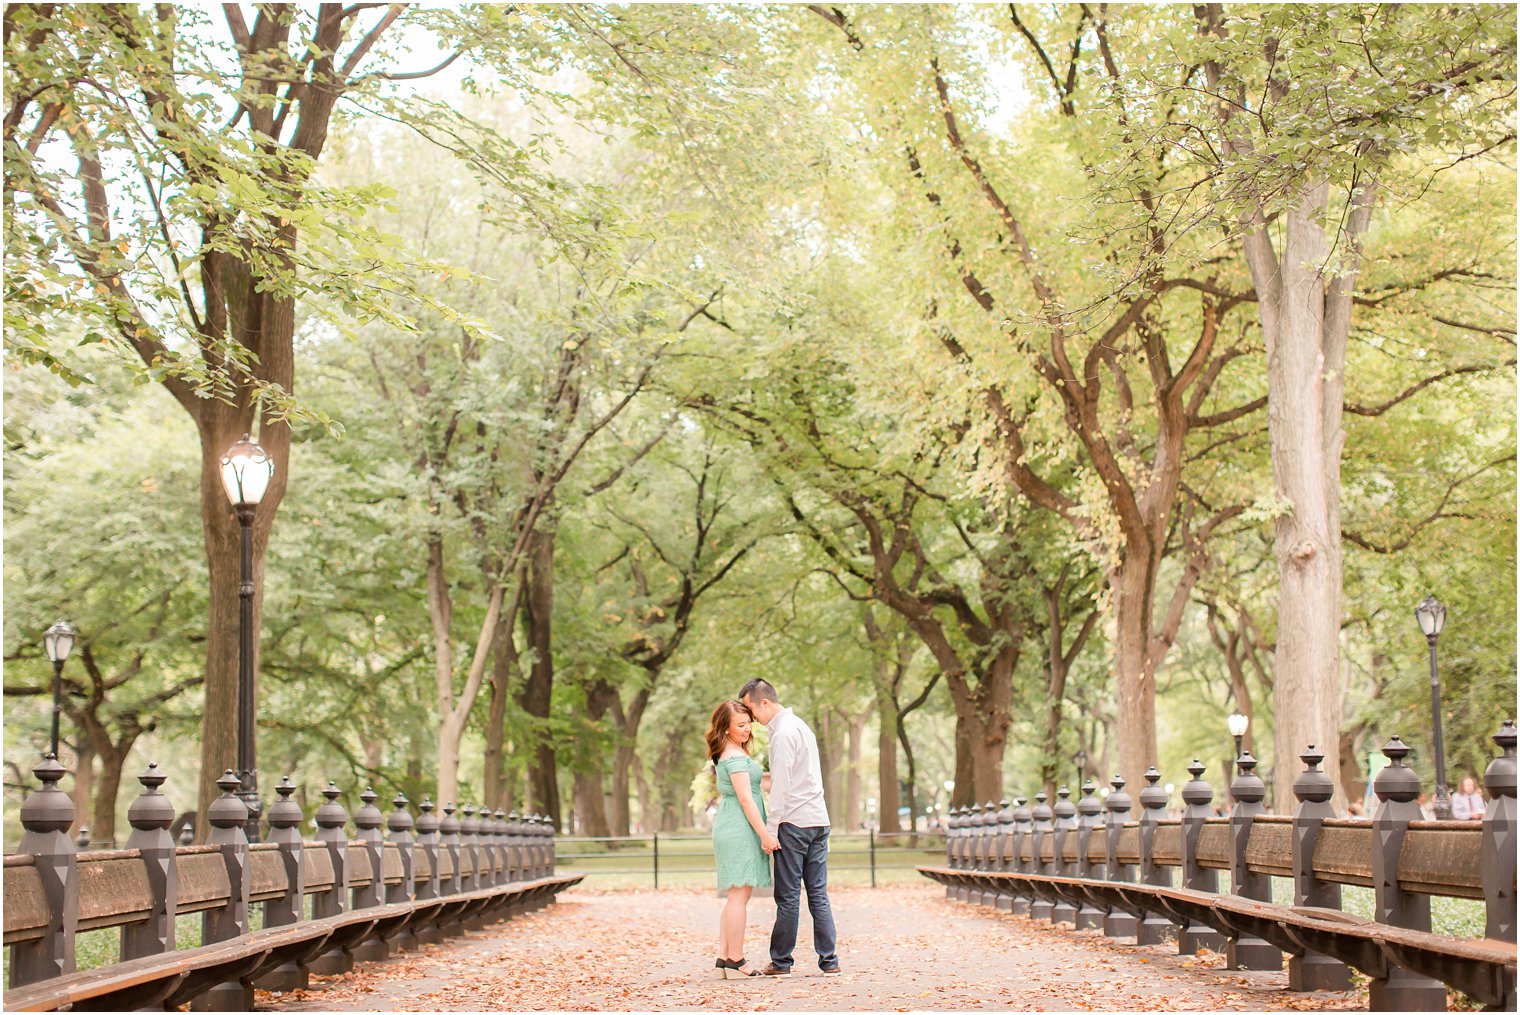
(664, 860)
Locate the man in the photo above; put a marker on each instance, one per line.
(799, 821)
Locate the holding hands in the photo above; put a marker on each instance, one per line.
(769, 842)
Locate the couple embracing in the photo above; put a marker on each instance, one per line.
(794, 834)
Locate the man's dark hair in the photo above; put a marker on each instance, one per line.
(760, 690)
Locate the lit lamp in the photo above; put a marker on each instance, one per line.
(1238, 722)
(246, 472)
(1431, 614)
(58, 640)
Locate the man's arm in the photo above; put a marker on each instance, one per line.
(783, 756)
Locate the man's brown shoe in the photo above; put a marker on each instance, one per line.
(771, 969)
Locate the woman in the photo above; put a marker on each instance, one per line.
(739, 835)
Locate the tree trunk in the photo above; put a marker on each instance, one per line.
(829, 752)
(648, 805)
(503, 664)
(1133, 584)
(590, 807)
(626, 761)
(103, 816)
(538, 690)
(852, 794)
(84, 777)
(964, 793)
(1306, 319)
(886, 765)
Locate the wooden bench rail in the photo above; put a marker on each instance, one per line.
(370, 896)
(177, 978)
(1483, 969)
(1077, 865)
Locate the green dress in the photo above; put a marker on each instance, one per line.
(741, 861)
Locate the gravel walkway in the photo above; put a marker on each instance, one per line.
(902, 948)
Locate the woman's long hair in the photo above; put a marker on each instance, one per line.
(722, 719)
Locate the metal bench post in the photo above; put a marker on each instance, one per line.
(228, 816)
(1023, 830)
(331, 822)
(431, 886)
(1397, 788)
(986, 825)
(515, 867)
(1155, 929)
(1499, 839)
(1089, 821)
(47, 815)
(150, 816)
(470, 847)
(285, 833)
(1245, 951)
(1119, 922)
(1043, 817)
(1003, 838)
(1196, 796)
(399, 828)
(971, 820)
(499, 837)
(367, 822)
(448, 842)
(1066, 824)
(1313, 788)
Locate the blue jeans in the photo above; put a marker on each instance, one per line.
(802, 860)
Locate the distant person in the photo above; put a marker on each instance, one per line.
(1467, 802)
(799, 822)
(1355, 810)
(1427, 812)
(740, 838)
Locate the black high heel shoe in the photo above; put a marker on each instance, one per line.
(732, 965)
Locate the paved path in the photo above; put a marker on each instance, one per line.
(903, 949)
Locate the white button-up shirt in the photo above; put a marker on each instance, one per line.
(796, 778)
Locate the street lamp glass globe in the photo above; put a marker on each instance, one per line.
(1171, 787)
(949, 785)
(246, 471)
(1239, 723)
(59, 641)
(1431, 613)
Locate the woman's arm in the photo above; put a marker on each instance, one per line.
(740, 779)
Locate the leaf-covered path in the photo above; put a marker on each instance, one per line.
(902, 948)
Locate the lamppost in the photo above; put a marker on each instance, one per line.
(1081, 760)
(1238, 723)
(58, 640)
(246, 471)
(1431, 614)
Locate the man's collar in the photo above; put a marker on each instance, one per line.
(778, 715)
